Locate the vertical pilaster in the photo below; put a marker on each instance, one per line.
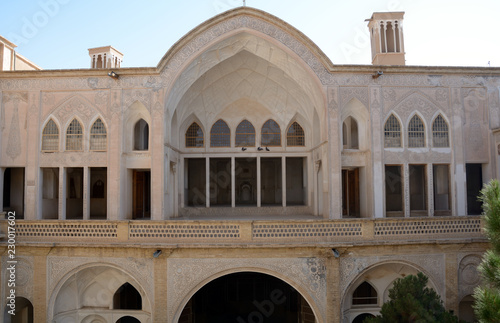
(406, 186)
(86, 193)
(207, 182)
(157, 153)
(181, 178)
(459, 206)
(117, 178)
(333, 167)
(62, 193)
(40, 287)
(259, 192)
(2, 172)
(451, 282)
(160, 276)
(430, 189)
(233, 182)
(377, 144)
(31, 194)
(283, 180)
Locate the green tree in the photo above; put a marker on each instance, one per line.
(411, 301)
(487, 297)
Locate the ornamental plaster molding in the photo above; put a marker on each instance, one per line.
(73, 159)
(24, 277)
(432, 265)
(349, 93)
(468, 275)
(186, 276)
(78, 106)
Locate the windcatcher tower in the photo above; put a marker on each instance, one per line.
(386, 35)
(105, 57)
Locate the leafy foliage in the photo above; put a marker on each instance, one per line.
(412, 301)
(487, 297)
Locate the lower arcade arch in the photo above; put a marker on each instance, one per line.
(99, 293)
(247, 297)
(366, 293)
(20, 312)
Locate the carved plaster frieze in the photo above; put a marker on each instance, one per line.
(186, 275)
(406, 104)
(347, 94)
(141, 95)
(432, 265)
(73, 159)
(58, 267)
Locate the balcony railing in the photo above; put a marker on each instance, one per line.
(277, 232)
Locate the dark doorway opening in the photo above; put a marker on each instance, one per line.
(247, 297)
(142, 194)
(13, 191)
(474, 174)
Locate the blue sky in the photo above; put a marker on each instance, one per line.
(56, 34)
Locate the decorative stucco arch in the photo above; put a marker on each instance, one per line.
(187, 276)
(126, 276)
(412, 266)
(287, 280)
(278, 54)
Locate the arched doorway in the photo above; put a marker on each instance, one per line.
(247, 297)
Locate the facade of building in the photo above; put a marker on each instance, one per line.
(246, 178)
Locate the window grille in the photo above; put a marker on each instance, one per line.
(98, 136)
(392, 132)
(50, 137)
(194, 136)
(440, 133)
(295, 135)
(220, 135)
(271, 134)
(74, 136)
(416, 133)
(245, 134)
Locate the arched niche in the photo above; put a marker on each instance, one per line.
(133, 114)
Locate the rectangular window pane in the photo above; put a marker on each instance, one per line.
(295, 190)
(220, 181)
(418, 197)
(271, 182)
(196, 182)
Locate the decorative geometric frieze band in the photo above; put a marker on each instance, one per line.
(313, 231)
(66, 230)
(184, 231)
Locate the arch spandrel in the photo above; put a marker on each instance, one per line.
(187, 276)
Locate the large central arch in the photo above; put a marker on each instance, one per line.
(247, 297)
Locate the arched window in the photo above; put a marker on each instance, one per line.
(194, 136)
(127, 298)
(50, 137)
(141, 135)
(74, 136)
(392, 132)
(271, 134)
(128, 319)
(416, 132)
(98, 136)
(245, 134)
(365, 294)
(295, 135)
(220, 135)
(440, 133)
